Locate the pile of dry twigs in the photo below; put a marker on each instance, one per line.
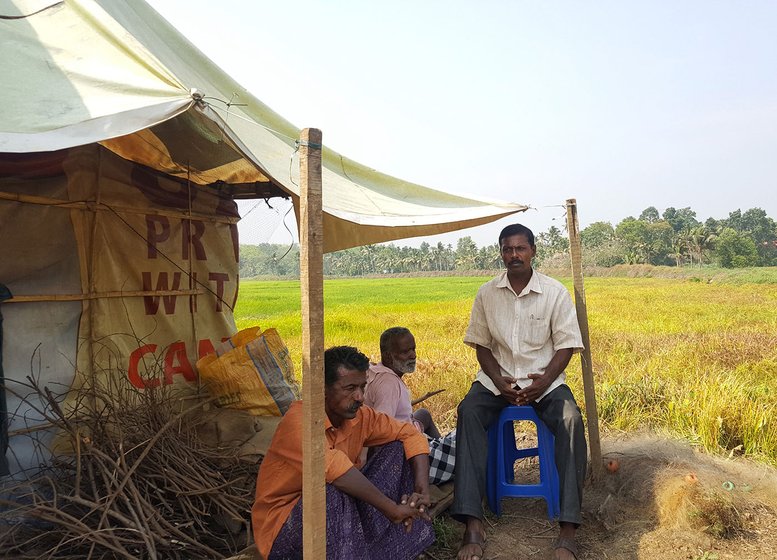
(128, 478)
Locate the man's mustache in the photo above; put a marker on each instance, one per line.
(516, 261)
(354, 407)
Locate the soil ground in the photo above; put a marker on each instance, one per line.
(662, 500)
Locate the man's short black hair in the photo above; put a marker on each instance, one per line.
(347, 356)
(389, 336)
(517, 229)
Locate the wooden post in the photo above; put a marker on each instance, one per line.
(591, 412)
(311, 240)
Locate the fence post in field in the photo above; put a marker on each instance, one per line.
(311, 241)
(592, 415)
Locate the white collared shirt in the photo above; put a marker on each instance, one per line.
(523, 331)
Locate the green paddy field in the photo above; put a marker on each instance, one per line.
(687, 357)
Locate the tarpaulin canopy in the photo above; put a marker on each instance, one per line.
(115, 72)
(121, 154)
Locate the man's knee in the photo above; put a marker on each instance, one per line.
(423, 416)
(471, 401)
(571, 419)
(571, 412)
(561, 413)
(391, 449)
(479, 408)
(466, 411)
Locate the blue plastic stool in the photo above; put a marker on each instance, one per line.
(502, 454)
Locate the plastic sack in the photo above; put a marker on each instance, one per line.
(251, 371)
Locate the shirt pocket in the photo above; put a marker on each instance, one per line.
(537, 331)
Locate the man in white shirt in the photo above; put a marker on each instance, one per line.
(524, 330)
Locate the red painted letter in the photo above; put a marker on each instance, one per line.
(133, 372)
(177, 353)
(192, 238)
(152, 302)
(219, 278)
(154, 235)
(205, 347)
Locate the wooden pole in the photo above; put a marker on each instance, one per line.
(93, 206)
(102, 295)
(311, 240)
(592, 415)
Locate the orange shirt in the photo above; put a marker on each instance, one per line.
(279, 484)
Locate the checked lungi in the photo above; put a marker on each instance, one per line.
(442, 458)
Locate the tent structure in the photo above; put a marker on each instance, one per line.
(122, 151)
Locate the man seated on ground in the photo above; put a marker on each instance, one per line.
(386, 392)
(377, 512)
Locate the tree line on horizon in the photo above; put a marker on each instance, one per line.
(674, 237)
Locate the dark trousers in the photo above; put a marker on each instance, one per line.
(481, 408)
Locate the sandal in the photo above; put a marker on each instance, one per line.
(568, 544)
(476, 539)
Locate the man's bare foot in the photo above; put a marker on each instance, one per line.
(565, 547)
(474, 542)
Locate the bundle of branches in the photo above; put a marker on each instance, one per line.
(129, 478)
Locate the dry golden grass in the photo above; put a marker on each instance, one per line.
(680, 357)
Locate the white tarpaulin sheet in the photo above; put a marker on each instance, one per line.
(86, 71)
(120, 159)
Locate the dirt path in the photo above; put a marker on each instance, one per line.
(665, 501)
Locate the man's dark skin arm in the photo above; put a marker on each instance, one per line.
(420, 498)
(540, 381)
(355, 484)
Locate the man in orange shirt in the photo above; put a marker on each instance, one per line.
(378, 511)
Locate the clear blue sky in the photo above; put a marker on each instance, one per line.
(621, 105)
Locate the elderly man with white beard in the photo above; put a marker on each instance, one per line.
(386, 392)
